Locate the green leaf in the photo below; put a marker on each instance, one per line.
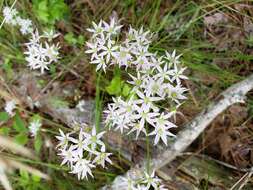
(19, 124)
(126, 90)
(4, 116)
(52, 69)
(50, 11)
(36, 178)
(58, 9)
(115, 86)
(80, 40)
(21, 139)
(38, 143)
(42, 11)
(5, 131)
(24, 174)
(70, 38)
(7, 66)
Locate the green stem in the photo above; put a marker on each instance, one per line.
(98, 103)
(148, 151)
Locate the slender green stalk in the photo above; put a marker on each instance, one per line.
(98, 103)
(148, 151)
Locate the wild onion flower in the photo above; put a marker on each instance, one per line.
(83, 152)
(102, 46)
(63, 140)
(150, 180)
(82, 167)
(146, 182)
(11, 16)
(40, 52)
(157, 79)
(50, 35)
(26, 26)
(34, 127)
(101, 158)
(10, 106)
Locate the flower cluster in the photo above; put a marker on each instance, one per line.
(11, 16)
(10, 106)
(84, 152)
(102, 46)
(148, 181)
(156, 79)
(41, 52)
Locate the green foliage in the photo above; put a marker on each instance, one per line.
(118, 86)
(20, 127)
(128, 3)
(4, 116)
(21, 139)
(38, 143)
(50, 11)
(126, 90)
(71, 39)
(19, 124)
(7, 66)
(30, 182)
(250, 106)
(249, 41)
(52, 70)
(114, 88)
(5, 131)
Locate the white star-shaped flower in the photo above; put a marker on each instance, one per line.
(26, 26)
(146, 100)
(80, 144)
(112, 28)
(10, 15)
(64, 139)
(94, 139)
(173, 58)
(177, 74)
(161, 132)
(109, 50)
(97, 28)
(101, 158)
(69, 156)
(151, 180)
(82, 168)
(34, 127)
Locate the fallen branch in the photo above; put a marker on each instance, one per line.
(234, 94)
